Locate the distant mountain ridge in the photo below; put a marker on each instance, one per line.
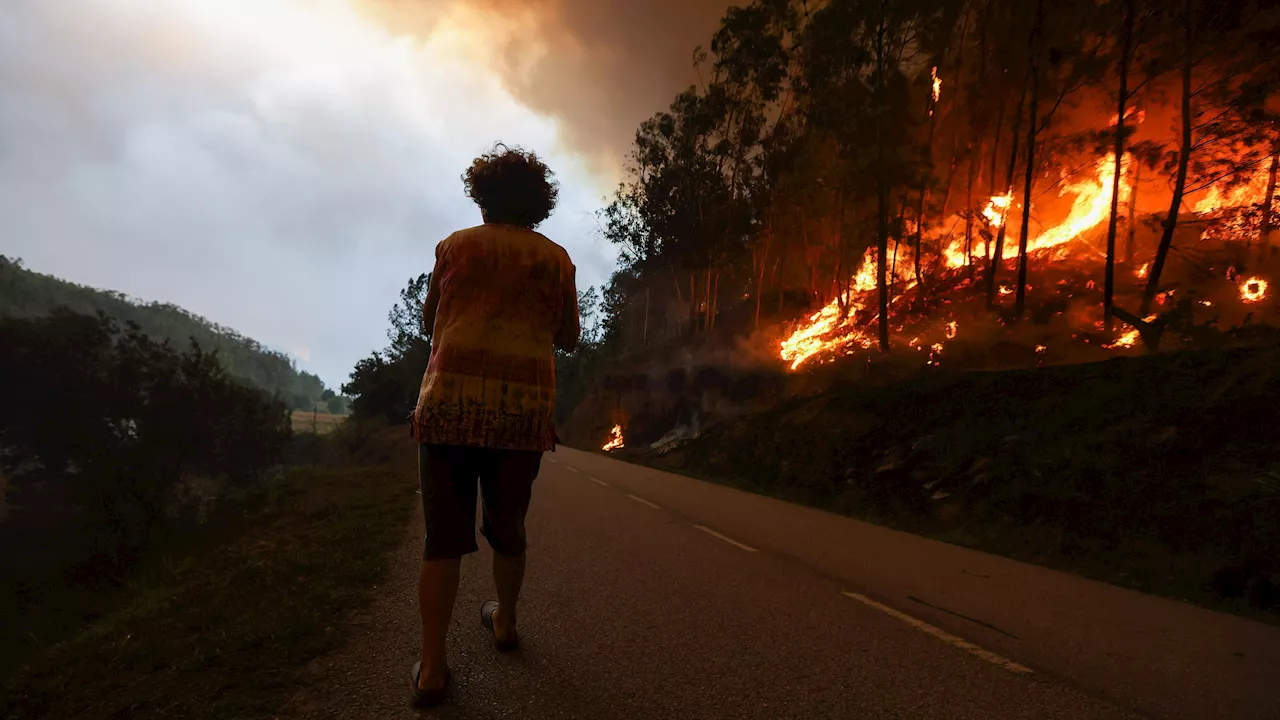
(26, 293)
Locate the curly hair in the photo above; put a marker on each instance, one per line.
(511, 186)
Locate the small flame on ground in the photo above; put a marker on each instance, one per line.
(615, 439)
(937, 86)
(832, 327)
(953, 327)
(1143, 271)
(1005, 290)
(934, 351)
(1041, 348)
(1253, 289)
(1124, 341)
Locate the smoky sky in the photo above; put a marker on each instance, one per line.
(601, 67)
(282, 167)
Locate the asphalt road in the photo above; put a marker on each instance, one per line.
(655, 596)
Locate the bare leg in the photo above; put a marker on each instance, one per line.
(437, 590)
(508, 576)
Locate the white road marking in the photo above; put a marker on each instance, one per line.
(725, 538)
(642, 500)
(570, 468)
(943, 635)
(418, 491)
(598, 480)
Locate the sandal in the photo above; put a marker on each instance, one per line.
(427, 698)
(507, 644)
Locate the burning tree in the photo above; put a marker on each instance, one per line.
(856, 165)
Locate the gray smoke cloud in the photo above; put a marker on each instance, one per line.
(600, 67)
(283, 167)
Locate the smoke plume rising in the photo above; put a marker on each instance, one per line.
(600, 67)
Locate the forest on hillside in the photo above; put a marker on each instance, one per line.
(912, 185)
(25, 293)
(866, 177)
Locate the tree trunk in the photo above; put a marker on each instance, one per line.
(882, 190)
(998, 251)
(897, 244)
(1268, 209)
(1133, 213)
(1020, 302)
(713, 302)
(693, 306)
(919, 236)
(808, 257)
(646, 316)
(781, 285)
(1109, 284)
(706, 305)
(759, 281)
(968, 220)
(924, 197)
(837, 281)
(946, 194)
(1184, 159)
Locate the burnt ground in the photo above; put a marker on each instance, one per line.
(1156, 473)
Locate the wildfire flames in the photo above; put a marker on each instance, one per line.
(615, 439)
(841, 323)
(1126, 340)
(1253, 289)
(997, 209)
(1092, 205)
(1249, 193)
(831, 327)
(937, 87)
(847, 323)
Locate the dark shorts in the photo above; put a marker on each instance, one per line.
(448, 475)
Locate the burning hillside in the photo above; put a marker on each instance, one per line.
(1065, 271)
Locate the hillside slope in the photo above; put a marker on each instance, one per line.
(1157, 473)
(26, 293)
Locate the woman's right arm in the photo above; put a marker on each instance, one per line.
(432, 303)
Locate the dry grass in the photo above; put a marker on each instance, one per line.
(226, 629)
(319, 423)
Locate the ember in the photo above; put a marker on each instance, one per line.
(1253, 289)
(615, 439)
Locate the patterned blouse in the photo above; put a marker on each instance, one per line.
(501, 296)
